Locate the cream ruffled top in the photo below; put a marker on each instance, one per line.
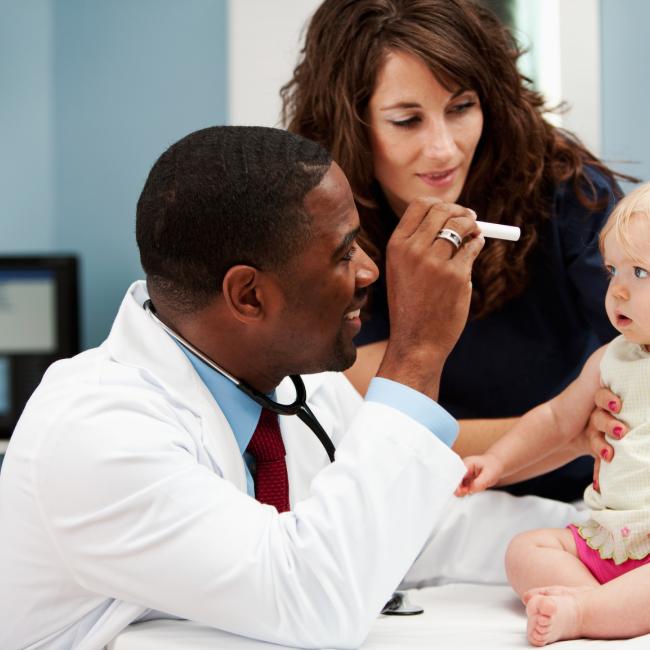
(619, 527)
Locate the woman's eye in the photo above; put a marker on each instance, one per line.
(350, 254)
(406, 123)
(640, 273)
(464, 106)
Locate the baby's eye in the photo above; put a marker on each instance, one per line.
(640, 273)
(610, 270)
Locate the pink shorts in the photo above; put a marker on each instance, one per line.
(602, 570)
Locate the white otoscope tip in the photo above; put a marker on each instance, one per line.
(499, 231)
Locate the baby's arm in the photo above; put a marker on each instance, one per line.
(538, 433)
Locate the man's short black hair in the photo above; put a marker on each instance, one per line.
(223, 196)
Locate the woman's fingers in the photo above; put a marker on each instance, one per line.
(605, 416)
(607, 401)
(596, 430)
(426, 217)
(603, 422)
(428, 277)
(596, 474)
(604, 426)
(469, 252)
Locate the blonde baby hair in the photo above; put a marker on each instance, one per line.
(636, 202)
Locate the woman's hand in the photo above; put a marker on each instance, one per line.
(602, 423)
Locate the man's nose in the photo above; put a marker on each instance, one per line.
(367, 271)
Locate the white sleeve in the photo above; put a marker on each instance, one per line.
(470, 541)
(134, 517)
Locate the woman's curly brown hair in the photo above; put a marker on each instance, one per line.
(519, 160)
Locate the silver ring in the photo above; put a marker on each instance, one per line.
(451, 236)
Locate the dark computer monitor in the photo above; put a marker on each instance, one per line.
(39, 323)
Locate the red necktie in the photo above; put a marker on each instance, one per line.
(271, 480)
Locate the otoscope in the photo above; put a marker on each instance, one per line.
(499, 231)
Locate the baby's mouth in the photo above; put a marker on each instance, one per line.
(622, 320)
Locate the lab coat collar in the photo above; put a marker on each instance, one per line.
(137, 340)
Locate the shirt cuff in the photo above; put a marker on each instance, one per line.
(416, 405)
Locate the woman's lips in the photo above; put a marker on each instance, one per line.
(438, 179)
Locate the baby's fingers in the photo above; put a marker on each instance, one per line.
(464, 486)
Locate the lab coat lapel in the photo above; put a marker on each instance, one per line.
(137, 340)
(305, 456)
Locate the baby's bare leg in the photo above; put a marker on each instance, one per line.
(615, 610)
(552, 590)
(551, 618)
(545, 557)
(618, 609)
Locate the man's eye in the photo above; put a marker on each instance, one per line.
(640, 273)
(350, 254)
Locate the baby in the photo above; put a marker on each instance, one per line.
(603, 566)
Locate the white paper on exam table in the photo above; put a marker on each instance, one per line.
(456, 617)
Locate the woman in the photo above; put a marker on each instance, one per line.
(423, 97)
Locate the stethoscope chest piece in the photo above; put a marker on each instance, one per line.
(400, 605)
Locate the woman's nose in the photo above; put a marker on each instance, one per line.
(439, 143)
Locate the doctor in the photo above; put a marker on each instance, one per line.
(128, 489)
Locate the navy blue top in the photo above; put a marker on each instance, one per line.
(535, 345)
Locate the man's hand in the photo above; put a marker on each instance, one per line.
(429, 290)
(482, 472)
(601, 423)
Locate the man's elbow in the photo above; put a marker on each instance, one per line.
(342, 626)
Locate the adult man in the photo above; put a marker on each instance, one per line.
(127, 488)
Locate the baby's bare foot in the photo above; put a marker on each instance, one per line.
(553, 590)
(551, 618)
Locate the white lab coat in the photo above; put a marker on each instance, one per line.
(123, 491)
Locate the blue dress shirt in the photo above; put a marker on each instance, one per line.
(243, 413)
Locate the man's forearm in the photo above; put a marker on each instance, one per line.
(418, 369)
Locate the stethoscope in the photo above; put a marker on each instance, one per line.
(297, 407)
(398, 604)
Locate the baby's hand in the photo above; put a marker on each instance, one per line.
(482, 472)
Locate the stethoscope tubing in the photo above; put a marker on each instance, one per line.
(396, 605)
(297, 407)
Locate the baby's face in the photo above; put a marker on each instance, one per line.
(628, 295)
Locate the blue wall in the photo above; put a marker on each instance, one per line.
(26, 134)
(97, 91)
(626, 85)
(92, 91)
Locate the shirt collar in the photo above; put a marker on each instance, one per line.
(241, 411)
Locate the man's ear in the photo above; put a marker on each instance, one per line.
(245, 292)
